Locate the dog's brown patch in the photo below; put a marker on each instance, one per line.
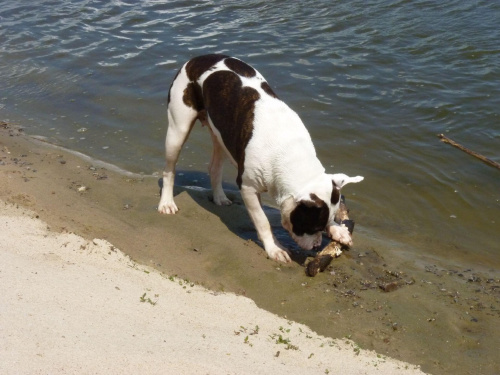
(192, 96)
(199, 65)
(335, 194)
(309, 216)
(269, 91)
(202, 116)
(239, 67)
(230, 106)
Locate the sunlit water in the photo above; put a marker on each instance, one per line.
(374, 81)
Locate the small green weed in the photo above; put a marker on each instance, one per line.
(281, 340)
(143, 298)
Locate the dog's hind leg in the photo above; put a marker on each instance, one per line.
(181, 119)
(215, 170)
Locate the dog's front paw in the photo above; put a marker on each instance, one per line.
(340, 234)
(278, 254)
(168, 207)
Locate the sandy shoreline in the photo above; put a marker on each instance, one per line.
(76, 306)
(444, 318)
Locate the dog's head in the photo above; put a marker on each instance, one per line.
(306, 216)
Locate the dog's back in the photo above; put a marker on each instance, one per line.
(241, 106)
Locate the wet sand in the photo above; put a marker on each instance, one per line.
(443, 317)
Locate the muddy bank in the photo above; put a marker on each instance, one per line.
(443, 317)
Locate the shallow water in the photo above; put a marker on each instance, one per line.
(374, 82)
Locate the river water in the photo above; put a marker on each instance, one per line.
(374, 82)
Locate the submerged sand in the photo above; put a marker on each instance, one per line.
(442, 318)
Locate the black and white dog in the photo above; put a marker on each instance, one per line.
(264, 139)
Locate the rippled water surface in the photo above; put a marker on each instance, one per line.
(374, 81)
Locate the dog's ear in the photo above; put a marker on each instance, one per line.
(286, 208)
(341, 179)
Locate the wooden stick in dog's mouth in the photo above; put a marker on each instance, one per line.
(334, 248)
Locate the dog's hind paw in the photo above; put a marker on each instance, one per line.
(168, 208)
(222, 201)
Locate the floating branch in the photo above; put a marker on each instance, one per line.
(470, 152)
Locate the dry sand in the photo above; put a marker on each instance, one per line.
(70, 305)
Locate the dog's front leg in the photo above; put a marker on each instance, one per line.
(273, 248)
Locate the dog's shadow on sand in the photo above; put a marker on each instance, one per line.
(235, 217)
